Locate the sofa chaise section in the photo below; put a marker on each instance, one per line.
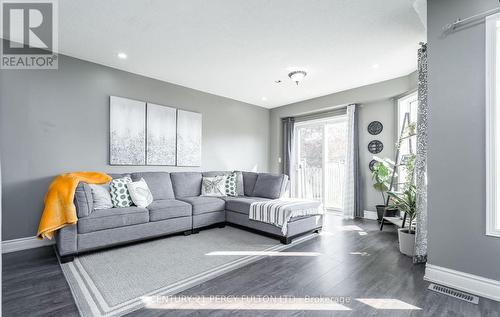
(296, 227)
(257, 185)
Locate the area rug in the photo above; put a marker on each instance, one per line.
(115, 282)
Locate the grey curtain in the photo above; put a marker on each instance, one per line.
(352, 207)
(421, 160)
(288, 129)
(358, 203)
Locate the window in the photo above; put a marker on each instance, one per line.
(407, 104)
(492, 125)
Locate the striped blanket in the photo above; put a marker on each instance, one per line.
(278, 212)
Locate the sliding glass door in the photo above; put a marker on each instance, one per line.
(319, 157)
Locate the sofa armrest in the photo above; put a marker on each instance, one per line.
(66, 240)
(83, 200)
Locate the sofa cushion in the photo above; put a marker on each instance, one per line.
(159, 184)
(83, 200)
(168, 209)
(249, 179)
(269, 186)
(203, 204)
(241, 204)
(102, 219)
(186, 184)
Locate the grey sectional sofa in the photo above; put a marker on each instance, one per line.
(178, 207)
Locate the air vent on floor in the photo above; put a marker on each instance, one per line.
(454, 293)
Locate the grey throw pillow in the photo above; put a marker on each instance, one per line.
(119, 192)
(268, 186)
(101, 196)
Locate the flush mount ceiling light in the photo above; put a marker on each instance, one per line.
(297, 76)
(122, 56)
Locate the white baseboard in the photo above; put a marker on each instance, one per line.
(372, 215)
(466, 282)
(24, 244)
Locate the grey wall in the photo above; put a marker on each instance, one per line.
(385, 112)
(456, 157)
(58, 121)
(377, 103)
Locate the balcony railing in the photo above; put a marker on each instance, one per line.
(310, 184)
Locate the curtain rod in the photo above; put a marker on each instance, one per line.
(459, 22)
(322, 114)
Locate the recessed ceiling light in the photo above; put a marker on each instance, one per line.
(375, 66)
(122, 56)
(264, 98)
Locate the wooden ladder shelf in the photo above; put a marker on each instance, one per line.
(397, 220)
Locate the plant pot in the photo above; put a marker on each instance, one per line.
(388, 213)
(380, 212)
(406, 242)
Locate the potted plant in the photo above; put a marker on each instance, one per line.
(411, 129)
(406, 202)
(381, 176)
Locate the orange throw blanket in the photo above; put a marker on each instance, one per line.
(59, 209)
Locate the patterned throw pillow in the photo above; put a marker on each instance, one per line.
(140, 193)
(213, 186)
(119, 192)
(231, 184)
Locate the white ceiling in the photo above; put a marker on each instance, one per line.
(238, 48)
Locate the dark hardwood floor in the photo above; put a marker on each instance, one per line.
(355, 261)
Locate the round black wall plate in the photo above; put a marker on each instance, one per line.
(375, 147)
(375, 127)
